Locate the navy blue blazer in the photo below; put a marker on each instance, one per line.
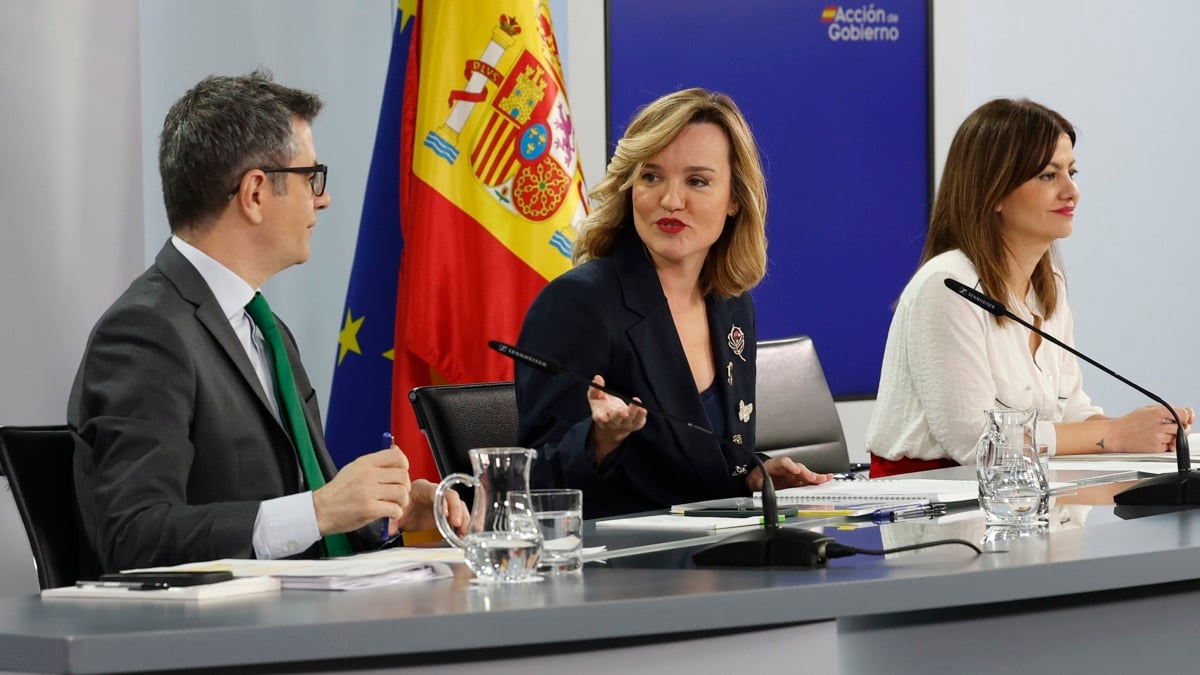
(610, 316)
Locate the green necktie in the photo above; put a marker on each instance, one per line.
(291, 410)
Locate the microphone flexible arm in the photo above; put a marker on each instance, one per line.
(770, 505)
(767, 547)
(1182, 452)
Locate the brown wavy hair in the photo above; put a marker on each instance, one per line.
(738, 259)
(1001, 145)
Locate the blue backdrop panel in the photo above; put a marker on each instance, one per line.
(838, 98)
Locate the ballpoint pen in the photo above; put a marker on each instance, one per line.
(385, 443)
(908, 513)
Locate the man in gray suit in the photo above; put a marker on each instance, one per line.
(184, 447)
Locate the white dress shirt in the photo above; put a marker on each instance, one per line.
(947, 360)
(286, 525)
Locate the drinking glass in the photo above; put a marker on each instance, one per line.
(559, 514)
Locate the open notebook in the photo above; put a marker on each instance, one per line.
(918, 490)
(678, 522)
(818, 508)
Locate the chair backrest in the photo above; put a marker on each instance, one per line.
(796, 414)
(38, 464)
(458, 417)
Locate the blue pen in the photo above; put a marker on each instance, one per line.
(385, 443)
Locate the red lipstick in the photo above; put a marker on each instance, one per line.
(670, 225)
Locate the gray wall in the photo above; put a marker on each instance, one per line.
(1125, 75)
(339, 49)
(70, 233)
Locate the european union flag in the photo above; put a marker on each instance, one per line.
(360, 403)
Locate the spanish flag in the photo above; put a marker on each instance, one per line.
(491, 194)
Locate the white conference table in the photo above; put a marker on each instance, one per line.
(1100, 593)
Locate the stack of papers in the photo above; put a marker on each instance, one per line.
(1114, 466)
(368, 570)
(351, 575)
(1119, 457)
(1117, 462)
(334, 574)
(222, 589)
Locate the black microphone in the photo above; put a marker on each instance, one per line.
(1163, 490)
(770, 546)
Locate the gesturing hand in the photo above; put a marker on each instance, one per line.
(612, 419)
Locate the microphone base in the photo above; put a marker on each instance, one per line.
(1172, 489)
(774, 547)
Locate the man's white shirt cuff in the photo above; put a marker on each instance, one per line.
(285, 526)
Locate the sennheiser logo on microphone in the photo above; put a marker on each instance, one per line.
(991, 305)
(514, 353)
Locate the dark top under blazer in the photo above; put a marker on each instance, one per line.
(609, 316)
(175, 445)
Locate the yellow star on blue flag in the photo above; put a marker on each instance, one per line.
(360, 400)
(348, 338)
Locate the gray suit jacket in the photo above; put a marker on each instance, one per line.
(175, 444)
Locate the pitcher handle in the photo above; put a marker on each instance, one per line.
(439, 505)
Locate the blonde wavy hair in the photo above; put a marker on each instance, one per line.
(738, 259)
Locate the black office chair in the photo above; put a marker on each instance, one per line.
(458, 417)
(38, 464)
(796, 414)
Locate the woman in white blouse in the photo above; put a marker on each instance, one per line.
(1007, 195)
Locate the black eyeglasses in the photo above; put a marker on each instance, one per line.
(316, 180)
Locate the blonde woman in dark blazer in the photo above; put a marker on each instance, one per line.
(658, 308)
